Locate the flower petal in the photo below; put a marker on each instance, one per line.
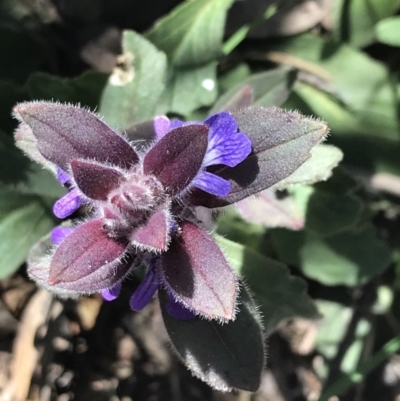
(67, 205)
(109, 294)
(226, 145)
(178, 311)
(196, 273)
(161, 126)
(176, 158)
(211, 183)
(64, 133)
(62, 176)
(146, 290)
(58, 234)
(84, 252)
(95, 180)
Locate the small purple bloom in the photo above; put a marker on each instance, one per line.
(140, 208)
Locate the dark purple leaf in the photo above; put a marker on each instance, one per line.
(176, 159)
(64, 133)
(281, 142)
(197, 274)
(95, 180)
(225, 356)
(153, 236)
(84, 253)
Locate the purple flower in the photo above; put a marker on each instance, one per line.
(140, 207)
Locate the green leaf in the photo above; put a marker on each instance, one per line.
(188, 89)
(327, 213)
(281, 296)
(388, 31)
(332, 329)
(355, 19)
(10, 94)
(362, 83)
(269, 88)
(85, 89)
(134, 88)
(225, 356)
(23, 220)
(324, 158)
(20, 175)
(191, 35)
(350, 258)
(234, 76)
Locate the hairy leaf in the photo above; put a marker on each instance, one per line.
(67, 132)
(95, 181)
(84, 253)
(197, 274)
(176, 159)
(282, 142)
(224, 356)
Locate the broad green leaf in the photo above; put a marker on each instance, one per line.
(281, 296)
(134, 88)
(362, 83)
(350, 258)
(332, 329)
(20, 175)
(23, 220)
(191, 35)
(327, 213)
(85, 89)
(355, 19)
(324, 158)
(232, 77)
(388, 31)
(270, 88)
(225, 356)
(188, 89)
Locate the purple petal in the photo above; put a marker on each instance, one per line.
(178, 311)
(213, 184)
(84, 252)
(146, 290)
(58, 234)
(175, 123)
(161, 126)
(95, 180)
(67, 205)
(62, 176)
(64, 133)
(177, 158)
(225, 144)
(195, 272)
(109, 294)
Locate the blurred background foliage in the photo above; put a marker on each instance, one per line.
(324, 256)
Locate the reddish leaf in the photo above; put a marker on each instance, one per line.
(153, 236)
(176, 159)
(67, 132)
(83, 253)
(282, 142)
(197, 274)
(95, 180)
